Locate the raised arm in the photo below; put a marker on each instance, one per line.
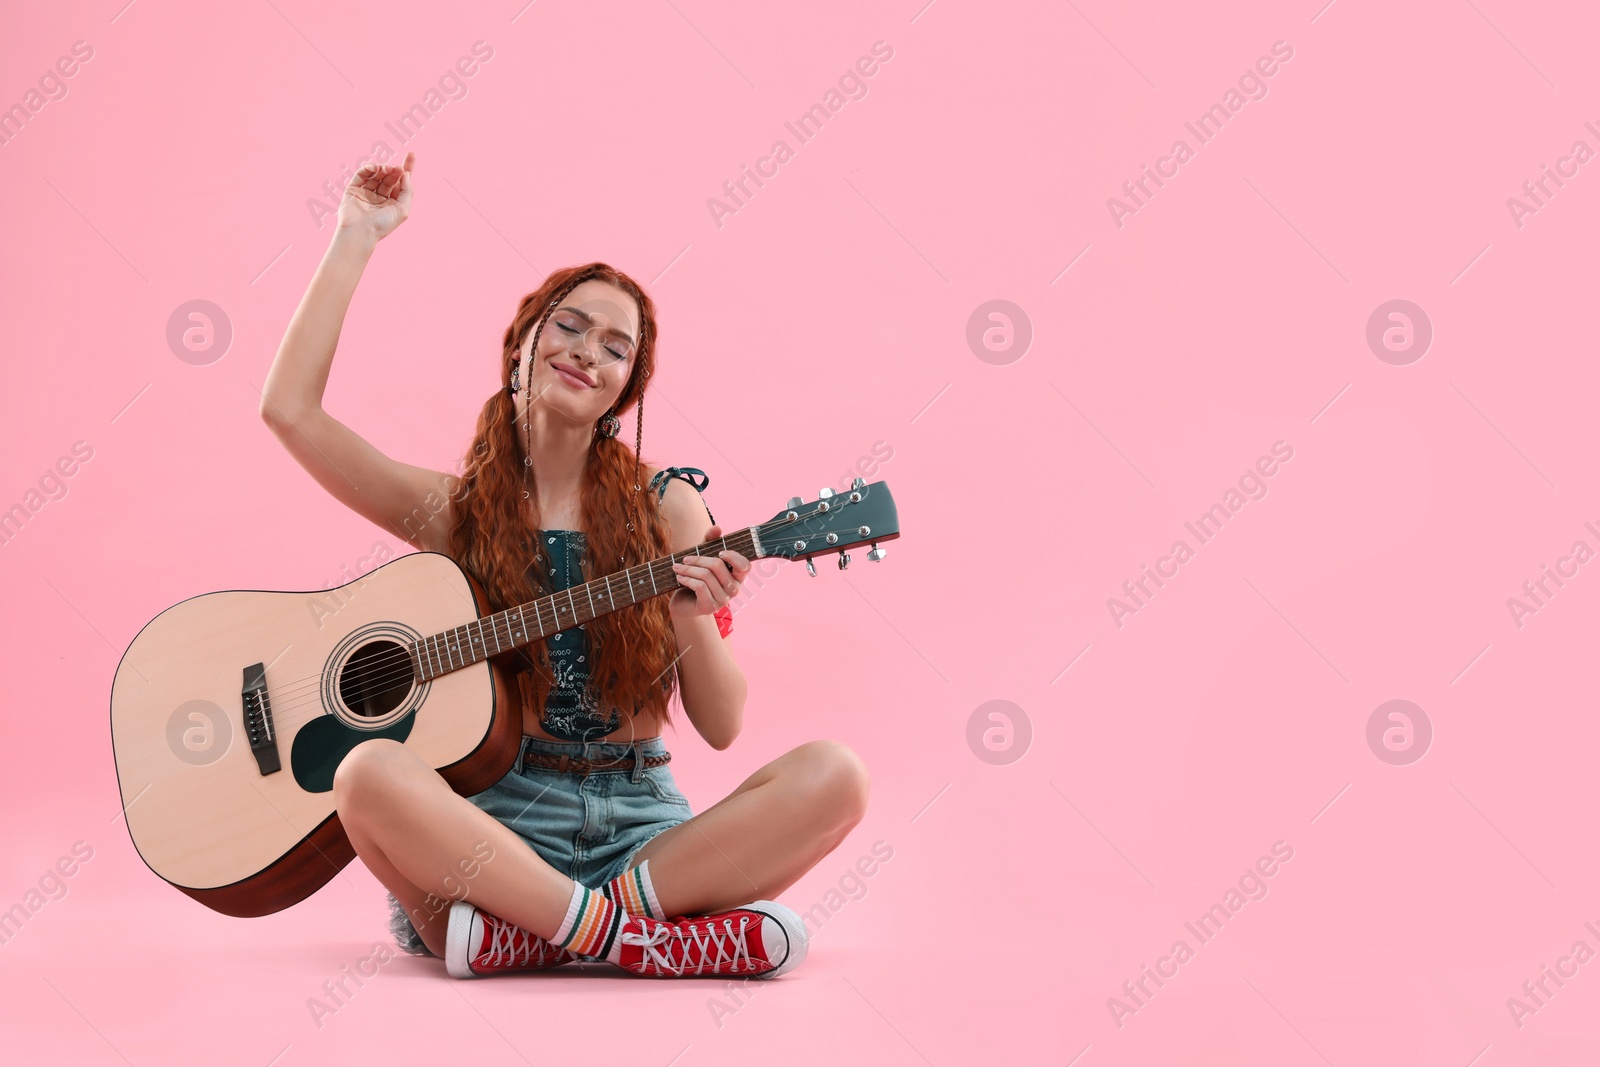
(411, 502)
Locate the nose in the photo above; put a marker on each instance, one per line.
(592, 341)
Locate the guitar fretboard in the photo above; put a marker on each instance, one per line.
(491, 635)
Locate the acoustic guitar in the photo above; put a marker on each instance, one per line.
(230, 711)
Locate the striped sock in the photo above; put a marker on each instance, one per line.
(634, 893)
(591, 926)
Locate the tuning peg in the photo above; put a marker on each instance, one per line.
(824, 493)
(844, 560)
(795, 502)
(811, 567)
(877, 553)
(857, 483)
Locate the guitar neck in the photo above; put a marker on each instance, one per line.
(492, 635)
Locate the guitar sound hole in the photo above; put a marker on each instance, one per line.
(376, 679)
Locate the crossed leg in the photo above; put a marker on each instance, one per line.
(420, 838)
(761, 838)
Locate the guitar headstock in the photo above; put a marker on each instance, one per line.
(834, 522)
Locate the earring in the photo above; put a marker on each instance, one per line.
(608, 426)
(516, 372)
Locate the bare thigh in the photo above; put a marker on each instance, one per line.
(422, 840)
(761, 838)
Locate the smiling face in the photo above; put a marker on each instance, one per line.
(586, 353)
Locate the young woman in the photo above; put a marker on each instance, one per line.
(585, 849)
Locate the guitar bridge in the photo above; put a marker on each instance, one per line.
(258, 719)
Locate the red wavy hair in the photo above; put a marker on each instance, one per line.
(631, 651)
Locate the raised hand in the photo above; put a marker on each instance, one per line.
(378, 198)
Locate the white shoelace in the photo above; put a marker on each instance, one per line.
(510, 945)
(729, 944)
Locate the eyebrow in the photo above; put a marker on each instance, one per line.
(586, 317)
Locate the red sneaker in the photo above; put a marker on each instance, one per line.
(760, 940)
(478, 943)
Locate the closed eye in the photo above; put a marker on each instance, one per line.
(565, 328)
(619, 356)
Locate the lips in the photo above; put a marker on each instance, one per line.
(574, 375)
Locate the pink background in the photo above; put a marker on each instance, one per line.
(830, 313)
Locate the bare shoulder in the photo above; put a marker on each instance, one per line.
(685, 512)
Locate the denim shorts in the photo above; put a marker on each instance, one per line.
(588, 827)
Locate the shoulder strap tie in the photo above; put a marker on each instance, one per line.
(688, 475)
(724, 615)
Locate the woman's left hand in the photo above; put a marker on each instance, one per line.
(709, 582)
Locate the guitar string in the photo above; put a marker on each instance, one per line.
(290, 705)
(442, 652)
(404, 663)
(403, 671)
(294, 696)
(298, 696)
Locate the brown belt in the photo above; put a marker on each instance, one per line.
(578, 765)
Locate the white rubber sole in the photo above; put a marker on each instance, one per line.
(791, 927)
(458, 940)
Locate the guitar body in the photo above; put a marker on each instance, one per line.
(237, 811)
